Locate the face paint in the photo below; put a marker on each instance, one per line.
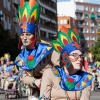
(28, 39)
(25, 42)
(66, 60)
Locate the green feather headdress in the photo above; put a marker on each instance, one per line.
(7, 56)
(28, 11)
(2, 58)
(67, 39)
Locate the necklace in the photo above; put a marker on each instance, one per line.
(68, 98)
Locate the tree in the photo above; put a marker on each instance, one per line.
(8, 44)
(96, 50)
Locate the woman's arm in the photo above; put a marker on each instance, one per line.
(86, 93)
(46, 84)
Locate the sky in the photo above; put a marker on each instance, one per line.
(95, 1)
(62, 0)
(90, 1)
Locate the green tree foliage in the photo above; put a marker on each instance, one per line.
(8, 44)
(96, 50)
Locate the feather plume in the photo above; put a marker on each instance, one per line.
(64, 29)
(32, 3)
(22, 3)
(75, 30)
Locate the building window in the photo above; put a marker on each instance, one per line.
(85, 15)
(91, 24)
(98, 24)
(79, 7)
(79, 23)
(91, 30)
(5, 3)
(41, 22)
(98, 16)
(61, 21)
(85, 23)
(97, 9)
(85, 8)
(92, 38)
(86, 37)
(3, 16)
(85, 30)
(15, 10)
(43, 34)
(43, 10)
(52, 36)
(79, 30)
(8, 5)
(65, 21)
(10, 20)
(91, 9)
(78, 15)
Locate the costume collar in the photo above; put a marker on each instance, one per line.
(29, 59)
(75, 82)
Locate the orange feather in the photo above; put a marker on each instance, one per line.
(32, 3)
(64, 29)
(21, 3)
(75, 30)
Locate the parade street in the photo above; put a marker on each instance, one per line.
(94, 96)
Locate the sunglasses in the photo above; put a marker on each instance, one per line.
(75, 56)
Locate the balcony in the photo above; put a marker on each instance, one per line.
(48, 16)
(16, 1)
(79, 18)
(48, 6)
(54, 1)
(92, 16)
(15, 20)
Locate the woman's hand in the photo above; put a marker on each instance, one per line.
(37, 82)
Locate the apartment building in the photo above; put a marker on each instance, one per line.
(87, 17)
(48, 19)
(7, 16)
(66, 21)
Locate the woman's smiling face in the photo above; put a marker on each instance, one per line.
(76, 58)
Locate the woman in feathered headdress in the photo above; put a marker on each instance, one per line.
(92, 67)
(66, 81)
(2, 65)
(32, 57)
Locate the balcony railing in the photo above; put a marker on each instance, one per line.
(45, 15)
(53, 5)
(16, 1)
(46, 5)
(49, 28)
(15, 20)
(79, 17)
